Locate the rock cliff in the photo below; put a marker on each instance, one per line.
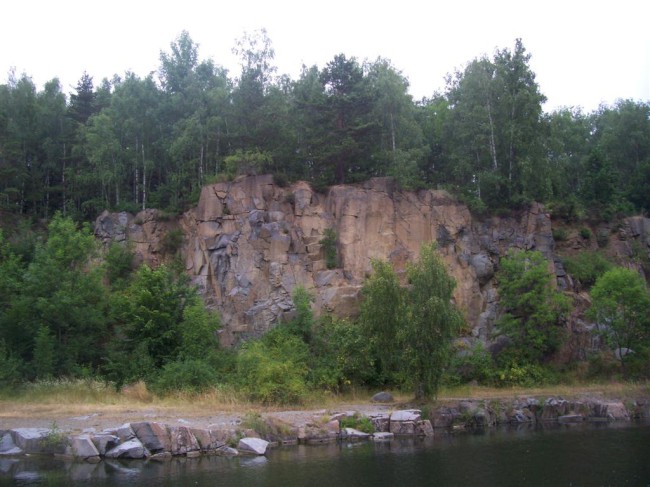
(249, 243)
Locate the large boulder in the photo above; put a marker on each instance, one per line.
(154, 436)
(105, 442)
(7, 445)
(82, 446)
(39, 440)
(183, 441)
(129, 449)
(382, 397)
(254, 446)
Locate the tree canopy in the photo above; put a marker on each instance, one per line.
(128, 143)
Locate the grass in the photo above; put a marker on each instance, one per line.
(605, 389)
(65, 398)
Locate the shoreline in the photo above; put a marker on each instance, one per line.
(164, 432)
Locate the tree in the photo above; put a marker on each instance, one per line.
(433, 320)
(399, 150)
(382, 317)
(494, 128)
(61, 297)
(349, 127)
(159, 319)
(533, 308)
(621, 309)
(412, 326)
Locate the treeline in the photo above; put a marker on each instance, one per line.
(132, 142)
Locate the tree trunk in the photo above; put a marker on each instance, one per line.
(493, 148)
(144, 181)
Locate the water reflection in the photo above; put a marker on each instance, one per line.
(603, 454)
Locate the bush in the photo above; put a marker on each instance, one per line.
(193, 375)
(523, 375)
(476, 366)
(173, 241)
(587, 267)
(273, 370)
(118, 261)
(329, 248)
(602, 238)
(361, 423)
(10, 367)
(585, 233)
(560, 234)
(340, 356)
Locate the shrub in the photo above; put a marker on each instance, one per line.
(476, 366)
(524, 375)
(585, 233)
(586, 267)
(358, 422)
(329, 248)
(341, 356)
(10, 367)
(281, 180)
(249, 162)
(173, 241)
(193, 375)
(602, 239)
(118, 263)
(273, 370)
(560, 234)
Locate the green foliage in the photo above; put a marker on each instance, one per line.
(173, 241)
(301, 325)
(273, 370)
(621, 308)
(198, 331)
(602, 238)
(585, 233)
(61, 290)
(471, 365)
(10, 367)
(43, 361)
(522, 375)
(330, 250)
(118, 262)
(133, 143)
(191, 375)
(358, 422)
(341, 356)
(560, 234)
(412, 327)
(55, 440)
(159, 319)
(247, 162)
(533, 308)
(586, 267)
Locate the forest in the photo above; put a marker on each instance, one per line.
(130, 143)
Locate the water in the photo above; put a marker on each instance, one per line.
(580, 455)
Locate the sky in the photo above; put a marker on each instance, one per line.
(584, 53)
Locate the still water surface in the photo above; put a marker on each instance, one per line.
(579, 455)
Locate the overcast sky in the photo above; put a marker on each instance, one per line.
(583, 52)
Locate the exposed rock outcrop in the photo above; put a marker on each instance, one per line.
(249, 243)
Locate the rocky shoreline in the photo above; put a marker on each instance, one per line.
(254, 434)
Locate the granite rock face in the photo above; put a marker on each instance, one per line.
(249, 243)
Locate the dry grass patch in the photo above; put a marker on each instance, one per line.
(620, 390)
